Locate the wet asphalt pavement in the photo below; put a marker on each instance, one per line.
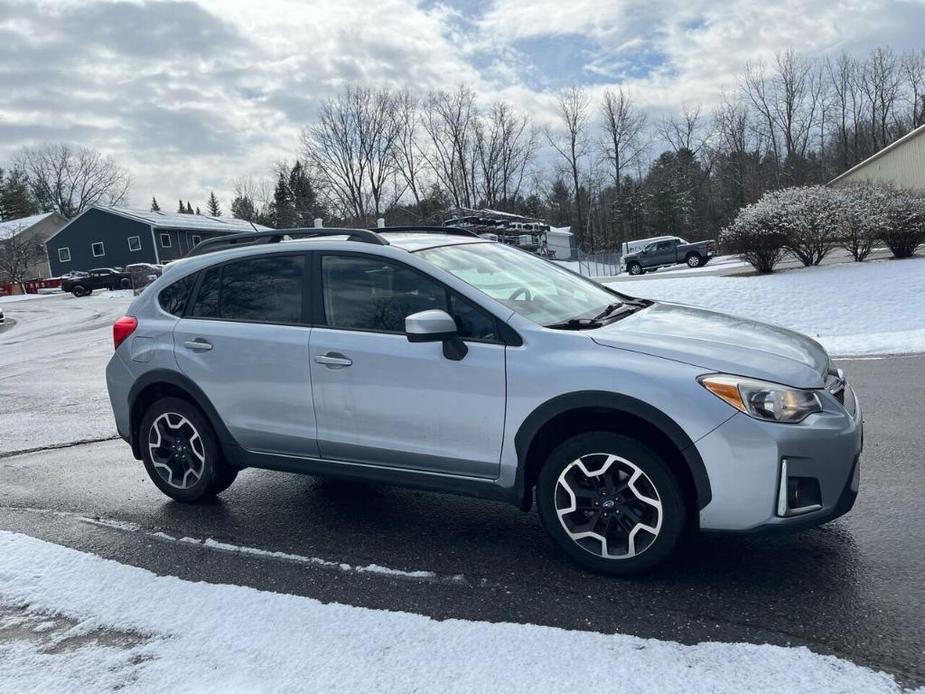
(853, 588)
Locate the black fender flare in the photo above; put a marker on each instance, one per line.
(178, 380)
(560, 404)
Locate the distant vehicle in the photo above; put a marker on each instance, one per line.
(670, 251)
(143, 274)
(98, 278)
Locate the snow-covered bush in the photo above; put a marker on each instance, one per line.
(756, 236)
(905, 224)
(809, 217)
(863, 217)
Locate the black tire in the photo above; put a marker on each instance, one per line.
(593, 448)
(693, 260)
(204, 471)
(79, 290)
(634, 269)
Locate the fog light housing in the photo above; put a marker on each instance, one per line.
(797, 495)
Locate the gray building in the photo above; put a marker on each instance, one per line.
(34, 231)
(901, 165)
(117, 236)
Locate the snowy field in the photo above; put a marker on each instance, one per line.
(853, 309)
(75, 622)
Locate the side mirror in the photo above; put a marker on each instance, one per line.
(435, 325)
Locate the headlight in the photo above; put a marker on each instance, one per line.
(771, 402)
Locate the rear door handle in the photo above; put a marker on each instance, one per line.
(334, 360)
(198, 345)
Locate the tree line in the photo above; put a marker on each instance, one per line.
(598, 162)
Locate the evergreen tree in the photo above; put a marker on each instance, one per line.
(242, 207)
(189, 208)
(283, 212)
(305, 203)
(197, 210)
(181, 209)
(16, 199)
(214, 209)
(154, 206)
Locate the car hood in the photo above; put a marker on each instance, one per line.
(719, 342)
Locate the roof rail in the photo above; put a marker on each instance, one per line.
(255, 238)
(451, 231)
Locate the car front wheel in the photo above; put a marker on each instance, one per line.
(634, 268)
(181, 453)
(79, 290)
(611, 503)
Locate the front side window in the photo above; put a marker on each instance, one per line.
(165, 240)
(64, 255)
(366, 293)
(134, 243)
(98, 249)
(535, 288)
(266, 289)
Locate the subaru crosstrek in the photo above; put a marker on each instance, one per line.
(432, 358)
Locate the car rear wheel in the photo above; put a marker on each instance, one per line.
(693, 260)
(634, 268)
(611, 503)
(79, 290)
(181, 453)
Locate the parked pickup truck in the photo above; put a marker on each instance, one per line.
(670, 251)
(98, 278)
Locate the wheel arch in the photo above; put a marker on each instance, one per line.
(162, 383)
(575, 413)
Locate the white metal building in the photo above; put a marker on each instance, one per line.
(901, 164)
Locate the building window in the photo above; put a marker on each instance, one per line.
(134, 243)
(64, 255)
(196, 239)
(165, 241)
(98, 249)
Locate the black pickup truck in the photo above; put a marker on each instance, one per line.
(669, 252)
(98, 278)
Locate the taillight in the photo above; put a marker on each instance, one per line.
(122, 328)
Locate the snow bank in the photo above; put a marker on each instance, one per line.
(853, 309)
(127, 628)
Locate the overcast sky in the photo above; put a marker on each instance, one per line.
(190, 95)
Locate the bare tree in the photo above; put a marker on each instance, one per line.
(571, 143)
(18, 254)
(622, 144)
(409, 159)
(449, 120)
(688, 130)
(880, 83)
(913, 74)
(351, 151)
(842, 75)
(506, 145)
(68, 180)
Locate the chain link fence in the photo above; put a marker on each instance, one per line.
(599, 264)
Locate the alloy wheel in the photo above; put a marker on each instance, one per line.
(693, 261)
(176, 450)
(608, 506)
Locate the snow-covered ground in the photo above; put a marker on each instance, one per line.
(853, 309)
(74, 622)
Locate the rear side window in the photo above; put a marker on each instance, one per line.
(267, 289)
(173, 297)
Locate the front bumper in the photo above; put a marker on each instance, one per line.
(749, 463)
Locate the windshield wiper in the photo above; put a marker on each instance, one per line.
(575, 324)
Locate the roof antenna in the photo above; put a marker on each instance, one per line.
(253, 225)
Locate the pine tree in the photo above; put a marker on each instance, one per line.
(189, 208)
(243, 208)
(154, 206)
(181, 209)
(16, 199)
(197, 210)
(283, 212)
(214, 209)
(304, 199)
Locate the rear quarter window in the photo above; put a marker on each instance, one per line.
(173, 297)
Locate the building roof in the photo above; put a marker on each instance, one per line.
(889, 148)
(175, 220)
(13, 227)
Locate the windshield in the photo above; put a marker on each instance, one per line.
(535, 288)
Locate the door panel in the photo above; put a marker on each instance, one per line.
(257, 377)
(405, 405)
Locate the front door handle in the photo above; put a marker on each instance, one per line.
(334, 360)
(198, 345)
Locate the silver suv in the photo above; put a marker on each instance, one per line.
(432, 358)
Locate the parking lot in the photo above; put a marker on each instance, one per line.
(852, 588)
